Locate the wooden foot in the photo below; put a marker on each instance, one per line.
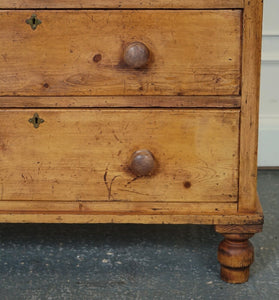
(236, 252)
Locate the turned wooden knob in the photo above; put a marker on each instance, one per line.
(142, 163)
(136, 55)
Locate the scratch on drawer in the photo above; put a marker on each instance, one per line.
(109, 185)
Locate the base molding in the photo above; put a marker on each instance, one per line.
(240, 219)
(237, 229)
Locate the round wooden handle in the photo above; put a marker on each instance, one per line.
(136, 55)
(142, 163)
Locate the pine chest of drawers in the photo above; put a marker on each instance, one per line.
(133, 112)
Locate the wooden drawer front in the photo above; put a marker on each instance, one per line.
(191, 52)
(85, 155)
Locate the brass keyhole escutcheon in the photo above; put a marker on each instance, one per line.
(36, 120)
(33, 21)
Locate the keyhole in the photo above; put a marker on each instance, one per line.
(36, 120)
(33, 21)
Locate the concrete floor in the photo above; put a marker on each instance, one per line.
(134, 261)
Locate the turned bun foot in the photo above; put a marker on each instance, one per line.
(235, 254)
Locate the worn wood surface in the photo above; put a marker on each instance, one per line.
(84, 155)
(54, 173)
(195, 52)
(116, 207)
(120, 101)
(207, 219)
(121, 4)
(238, 229)
(252, 33)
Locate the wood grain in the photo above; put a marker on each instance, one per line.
(252, 33)
(206, 219)
(77, 53)
(238, 228)
(121, 4)
(235, 254)
(116, 207)
(120, 101)
(84, 155)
